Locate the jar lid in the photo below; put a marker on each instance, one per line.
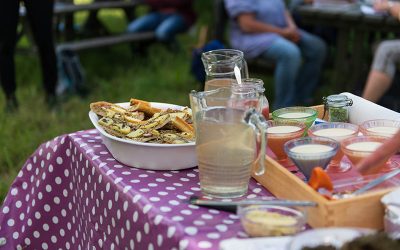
(338, 101)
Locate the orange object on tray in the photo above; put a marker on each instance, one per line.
(321, 182)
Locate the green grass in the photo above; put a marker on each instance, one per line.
(113, 74)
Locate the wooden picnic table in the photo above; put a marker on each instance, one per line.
(355, 28)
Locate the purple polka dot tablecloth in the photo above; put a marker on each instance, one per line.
(72, 194)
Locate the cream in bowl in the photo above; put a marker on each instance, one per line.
(380, 127)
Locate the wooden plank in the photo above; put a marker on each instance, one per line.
(105, 41)
(65, 8)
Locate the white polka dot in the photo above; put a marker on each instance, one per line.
(199, 223)
(213, 236)
(65, 193)
(228, 222)
(178, 184)
(191, 175)
(125, 206)
(66, 172)
(126, 189)
(55, 219)
(132, 244)
(146, 228)
(159, 240)
(171, 231)
(177, 218)
(29, 167)
(48, 188)
(22, 216)
(62, 232)
(251, 196)
(14, 192)
(204, 244)
(29, 222)
(27, 241)
(183, 244)
(158, 219)
(143, 175)
(165, 209)
(46, 208)
(109, 205)
(162, 193)
(257, 190)
(10, 222)
(37, 215)
(135, 216)
(170, 188)
(24, 185)
(108, 186)
(221, 228)
(195, 188)
(15, 235)
(59, 160)
(207, 216)
(135, 181)
(191, 231)
(167, 175)
(184, 179)
(181, 197)
(154, 199)
(138, 236)
(58, 180)
(144, 190)
(6, 209)
(63, 212)
(36, 234)
(146, 208)
(186, 212)
(151, 247)
(117, 180)
(174, 202)
(188, 193)
(53, 239)
(56, 200)
(45, 227)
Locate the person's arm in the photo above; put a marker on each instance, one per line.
(295, 35)
(249, 24)
(393, 8)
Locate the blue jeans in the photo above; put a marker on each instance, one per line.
(166, 26)
(297, 70)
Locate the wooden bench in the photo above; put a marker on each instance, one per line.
(64, 11)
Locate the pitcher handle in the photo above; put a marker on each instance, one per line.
(257, 121)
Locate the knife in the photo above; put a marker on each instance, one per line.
(377, 181)
(231, 206)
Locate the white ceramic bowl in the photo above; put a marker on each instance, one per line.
(151, 156)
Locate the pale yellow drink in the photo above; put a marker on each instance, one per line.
(311, 148)
(225, 152)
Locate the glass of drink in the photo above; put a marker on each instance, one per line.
(279, 132)
(337, 131)
(380, 127)
(357, 148)
(227, 132)
(310, 152)
(305, 115)
(219, 66)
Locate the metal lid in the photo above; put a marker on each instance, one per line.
(338, 101)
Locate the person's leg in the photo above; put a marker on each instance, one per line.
(40, 17)
(382, 71)
(169, 27)
(287, 57)
(9, 13)
(313, 50)
(147, 22)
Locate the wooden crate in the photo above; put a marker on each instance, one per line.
(360, 211)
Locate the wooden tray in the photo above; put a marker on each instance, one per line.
(362, 211)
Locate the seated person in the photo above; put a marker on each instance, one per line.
(167, 18)
(266, 29)
(386, 58)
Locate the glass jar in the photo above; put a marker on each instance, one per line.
(258, 86)
(337, 107)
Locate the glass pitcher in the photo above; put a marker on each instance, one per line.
(219, 66)
(229, 134)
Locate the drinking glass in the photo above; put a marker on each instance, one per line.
(279, 132)
(310, 152)
(227, 132)
(337, 131)
(380, 127)
(357, 148)
(219, 66)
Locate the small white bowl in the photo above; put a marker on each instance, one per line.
(144, 155)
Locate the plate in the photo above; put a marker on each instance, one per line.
(152, 156)
(327, 236)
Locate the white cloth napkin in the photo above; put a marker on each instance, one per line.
(263, 243)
